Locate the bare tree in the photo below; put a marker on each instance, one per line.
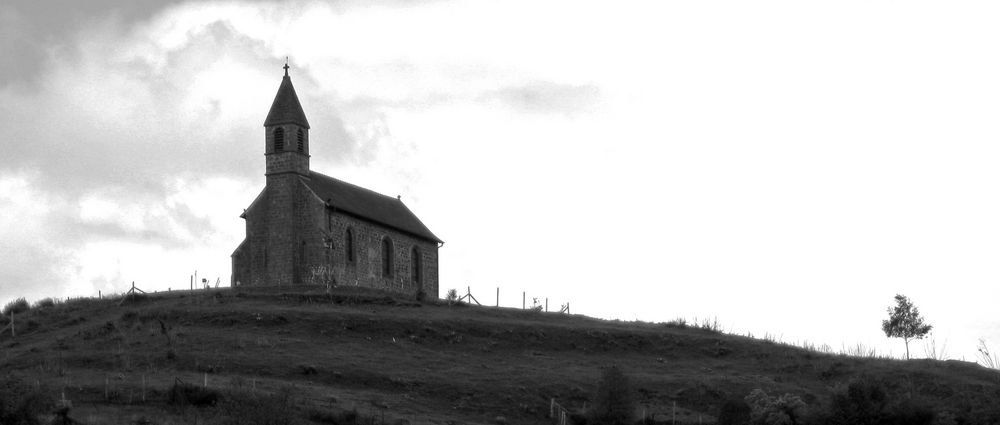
(905, 322)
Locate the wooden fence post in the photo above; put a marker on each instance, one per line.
(523, 300)
(498, 296)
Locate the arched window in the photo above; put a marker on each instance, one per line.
(279, 139)
(302, 141)
(415, 265)
(349, 246)
(387, 257)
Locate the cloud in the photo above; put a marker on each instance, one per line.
(547, 97)
(131, 108)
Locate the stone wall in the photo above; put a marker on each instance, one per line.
(249, 259)
(326, 250)
(294, 238)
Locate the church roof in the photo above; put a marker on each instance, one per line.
(286, 108)
(368, 204)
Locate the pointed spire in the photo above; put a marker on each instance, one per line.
(286, 108)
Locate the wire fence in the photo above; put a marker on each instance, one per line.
(537, 303)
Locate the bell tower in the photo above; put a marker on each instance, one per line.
(286, 133)
(286, 154)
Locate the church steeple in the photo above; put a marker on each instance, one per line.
(286, 108)
(286, 132)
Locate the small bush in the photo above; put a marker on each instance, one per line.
(866, 401)
(17, 306)
(45, 303)
(452, 296)
(613, 403)
(21, 403)
(787, 409)
(347, 417)
(984, 415)
(679, 322)
(245, 407)
(182, 394)
(734, 412)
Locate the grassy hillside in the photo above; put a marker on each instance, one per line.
(321, 357)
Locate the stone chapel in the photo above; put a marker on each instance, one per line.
(309, 228)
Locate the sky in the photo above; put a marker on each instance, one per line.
(784, 167)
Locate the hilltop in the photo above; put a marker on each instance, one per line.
(324, 356)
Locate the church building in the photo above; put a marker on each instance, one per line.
(309, 228)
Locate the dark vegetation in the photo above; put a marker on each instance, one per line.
(17, 306)
(296, 356)
(21, 401)
(613, 403)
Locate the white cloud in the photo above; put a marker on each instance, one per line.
(775, 164)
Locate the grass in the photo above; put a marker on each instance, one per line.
(386, 359)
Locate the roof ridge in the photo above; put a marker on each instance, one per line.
(360, 187)
(367, 204)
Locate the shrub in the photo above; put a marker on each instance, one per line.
(17, 306)
(866, 402)
(45, 303)
(787, 409)
(452, 296)
(679, 322)
(346, 417)
(613, 404)
(21, 403)
(182, 394)
(984, 415)
(245, 407)
(734, 412)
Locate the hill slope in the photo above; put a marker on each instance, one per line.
(395, 360)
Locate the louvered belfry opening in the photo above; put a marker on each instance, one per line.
(279, 139)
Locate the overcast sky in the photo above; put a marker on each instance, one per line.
(786, 167)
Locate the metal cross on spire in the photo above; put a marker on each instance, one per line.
(286, 66)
